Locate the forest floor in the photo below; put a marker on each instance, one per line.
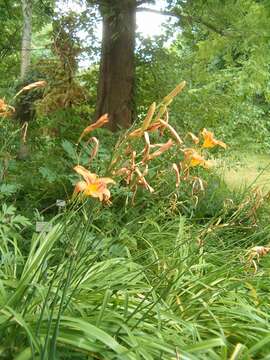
(247, 169)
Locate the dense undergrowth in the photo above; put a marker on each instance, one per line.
(147, 284)
(173, 275)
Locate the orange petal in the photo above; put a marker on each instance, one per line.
(222, 144)
(210, 141)
(5, 109)
(80, 187)
(193, 158)
(97, 190)
(107, 180)
(88, 177)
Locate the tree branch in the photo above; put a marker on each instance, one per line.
(181, 17)
(140, 2)
(160, 12)
(210, 26)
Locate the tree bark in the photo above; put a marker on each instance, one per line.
(26, 37)
(117, 68)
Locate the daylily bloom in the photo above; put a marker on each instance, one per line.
(210, 141)
(3, 106)
(104, 119)
(192, 159)
(5, 109)
(92, 185)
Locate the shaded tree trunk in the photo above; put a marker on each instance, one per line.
(117, 68)
(24, 151)
(26, 37)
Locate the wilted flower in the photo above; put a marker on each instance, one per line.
(175, 168)
(174, 93)
(139, 132)
(142, 181)
(104, 119)
(194, 138)
(161, 150)
(92, 185)
(210, 141)
(35, 85)
(149, 116)
(172, 131)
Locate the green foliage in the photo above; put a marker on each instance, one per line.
(74, 297)
(222, 53)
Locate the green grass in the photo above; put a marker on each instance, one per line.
(244, 169)
(139, 288)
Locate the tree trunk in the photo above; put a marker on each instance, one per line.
(26, 37)
(24, 151)
(116, 75)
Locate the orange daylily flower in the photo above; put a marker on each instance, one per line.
(5, 109)
(192, 159)
(92, 185)
(3, 106)
(104, 119)
(210, 141)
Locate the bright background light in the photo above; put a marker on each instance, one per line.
(149, 24)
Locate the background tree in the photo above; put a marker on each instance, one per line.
(26, 37)
(10, 43)
(117, 65)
